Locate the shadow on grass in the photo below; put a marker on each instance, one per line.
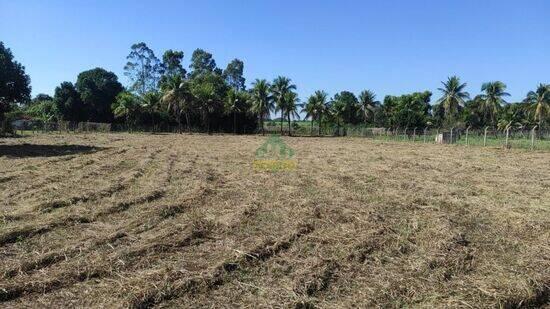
(34, 150)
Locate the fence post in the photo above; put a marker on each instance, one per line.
(405, 136)
(414, 134)
(451, 141)
(507, 135)
(485, 137)
(533, 137)
(467, 130)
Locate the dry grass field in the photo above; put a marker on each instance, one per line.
(136, 220)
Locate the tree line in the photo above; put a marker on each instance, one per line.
(207, 98)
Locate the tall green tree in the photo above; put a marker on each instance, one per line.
(292, 103)
(492, 99)
(127, 105)
(233, 74)
(280, 88)
(68, 103)
(98, 89)
(337, 111)
(202, 62)
(412, 110)
(171, 63)
(346, 108)
(143, 69)
(14, 82)
(209, 91)
(150, 102)
(368, 103)
(315, 108)
(262, 101)
(176, 93)
(453, 96)
(236, 102)
(539, 101)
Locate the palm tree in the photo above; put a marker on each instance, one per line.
(232, 106)
(453, 95)
(309, 109)
(279, 89)
(177, 94)
(321, 108)
(151, 101)
(126, 105)
(492, 100)
(235, 103)
(338, 110)
(315, 107)
(540, 102)
(205, 96)
(291, 107)
(367, 100)
(262, 102)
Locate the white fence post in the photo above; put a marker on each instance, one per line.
(485, 137)
(467, 130)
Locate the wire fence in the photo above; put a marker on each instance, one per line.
(533, 138)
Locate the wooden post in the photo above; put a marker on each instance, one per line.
(405, 134)
(414, 134)
(533, 137)
(451, 141)
(467, 129)
(507, 135)
(485, 137)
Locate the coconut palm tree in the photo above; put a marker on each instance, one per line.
(453, 95)
(232, 106)
(309, 110)
(492, 100)
(540, 102)
(280, 88)
(235, 103)
(367, 100)
(151, 101)
(126, 105)
(338, 110)
(177, 95)
(321, 106)
(291, 107)
(315, 107)
(262, 102)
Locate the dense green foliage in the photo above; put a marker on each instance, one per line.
(162, 93)
(14, 82)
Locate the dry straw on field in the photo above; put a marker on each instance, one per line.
(135, 220)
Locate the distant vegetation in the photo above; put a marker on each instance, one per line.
(207, 98)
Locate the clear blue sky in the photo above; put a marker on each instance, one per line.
(390, 47)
